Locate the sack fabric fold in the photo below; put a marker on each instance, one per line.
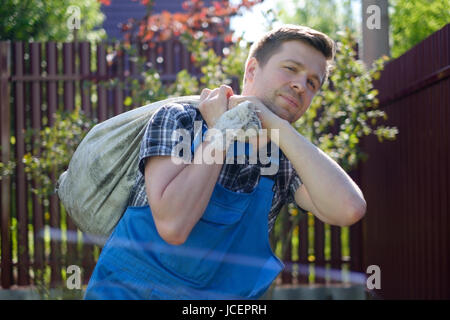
(95, 188)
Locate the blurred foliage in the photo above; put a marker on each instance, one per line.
(327, 16)
(57, 144)
(217, 69)
(345, 109)
(413, 20)
(196, 19)
(40, 20)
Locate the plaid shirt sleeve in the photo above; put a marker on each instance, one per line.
(294, 184)
(158, 138)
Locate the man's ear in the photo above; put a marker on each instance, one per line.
(250, 69)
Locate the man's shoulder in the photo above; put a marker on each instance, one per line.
(176, 111)
(176, 108)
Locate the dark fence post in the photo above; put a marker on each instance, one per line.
(319, 247)
(85, 72)
(69, 71)
(21, 187)
(355, 232)
(87, 259)
(286, 240)
(118, 74)
(336, 252)
(101, 80)
(55, 225)
(303, 271)
(36, 103)
(5, 200)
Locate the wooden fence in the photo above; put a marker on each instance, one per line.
(37, 79)
(407, 182)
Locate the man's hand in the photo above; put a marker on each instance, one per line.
(213, 103)
(269, 120)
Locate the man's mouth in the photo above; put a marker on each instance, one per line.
(292, 101)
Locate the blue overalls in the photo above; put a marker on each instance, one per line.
(226, 256)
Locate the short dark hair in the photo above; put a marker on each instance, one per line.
(271, 42)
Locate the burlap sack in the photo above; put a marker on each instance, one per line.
(95, 188)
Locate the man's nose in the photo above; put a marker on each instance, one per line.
(299, 84)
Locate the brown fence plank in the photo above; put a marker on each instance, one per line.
(21, 191)
(336, 251)
(303, 251)
(420, 192)
(445, 225)
(399, 205)
(319, 254)
(55, 242)
(84, 258)
(435, 100)
(407, 205)
(286, 239)
(38, 215)
(118, 90)
(5, 183)
(52, 85)
(69, 70)
(416, 196)
(85, 71)
(355, 233)
(435, 144)
(101, 90)
(168, 58)
(445, 183)
(54, 260)
(72, 52)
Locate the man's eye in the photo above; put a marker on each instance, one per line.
(313, 85)
(290, 68)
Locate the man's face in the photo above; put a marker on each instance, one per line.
(288, 81)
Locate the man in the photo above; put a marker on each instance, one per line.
(199, 230)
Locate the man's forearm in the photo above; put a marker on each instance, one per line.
(187, 196)
(331, 190)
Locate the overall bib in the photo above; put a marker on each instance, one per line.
(226, 256)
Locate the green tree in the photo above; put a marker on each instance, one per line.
(57, 145)
(345, 110)
(327, 16)
(40, 20)
(414, 20)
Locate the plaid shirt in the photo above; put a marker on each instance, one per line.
(157, 141)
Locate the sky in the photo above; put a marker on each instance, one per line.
(252, 24)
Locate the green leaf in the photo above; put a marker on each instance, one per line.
(128, 101)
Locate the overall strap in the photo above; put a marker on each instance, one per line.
(198, 137)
